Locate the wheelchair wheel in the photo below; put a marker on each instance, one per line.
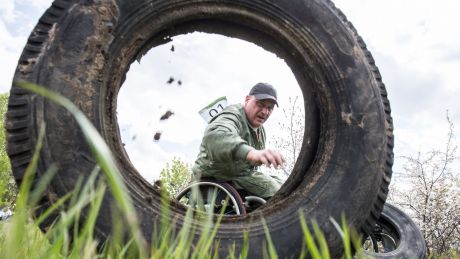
(212, 197)
(384, 238)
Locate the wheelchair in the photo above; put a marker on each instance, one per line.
(214, 196)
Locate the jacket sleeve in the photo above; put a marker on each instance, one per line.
(223, 142)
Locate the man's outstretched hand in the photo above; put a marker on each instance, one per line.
(266, 157)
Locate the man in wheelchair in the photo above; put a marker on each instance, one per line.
(233, 145)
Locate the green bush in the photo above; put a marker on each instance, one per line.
(8, 190)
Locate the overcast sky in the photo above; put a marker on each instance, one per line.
(416, 45)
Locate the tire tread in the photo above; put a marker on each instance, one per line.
(387, 171)
(19, 124)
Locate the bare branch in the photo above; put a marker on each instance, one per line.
(434, 193)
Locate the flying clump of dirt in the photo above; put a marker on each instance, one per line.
(172, 79)
(157, 136)
(168, 113)
(165, 116)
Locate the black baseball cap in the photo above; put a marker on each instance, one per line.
(263, 91)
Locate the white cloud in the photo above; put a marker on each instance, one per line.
(17, 19)
(7, 10)
(417, 49)
(38, 4)
(209, 66)
(10, 49)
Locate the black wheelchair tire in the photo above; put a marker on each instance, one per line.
(232, 192)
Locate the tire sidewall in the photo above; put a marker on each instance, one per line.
(411, 241)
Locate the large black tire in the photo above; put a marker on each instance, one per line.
(83, 49)
(403, 232)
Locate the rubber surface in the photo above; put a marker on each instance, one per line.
(410, 241)
(83, 49)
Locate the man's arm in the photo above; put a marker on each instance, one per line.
(223, 142)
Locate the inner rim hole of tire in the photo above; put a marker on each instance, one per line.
(158, 104)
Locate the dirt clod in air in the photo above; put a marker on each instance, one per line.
(166, 115)
(157, 136)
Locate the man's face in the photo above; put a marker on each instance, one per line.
(258, 111)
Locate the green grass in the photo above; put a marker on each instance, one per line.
(72, 235)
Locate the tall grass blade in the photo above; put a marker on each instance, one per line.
(87, 233)
(44, 215)
(209, 229)
(309, 239)
(103, 156)
(16, 240)
(124, 251)
(40, 188)
(321, 240)
(345, 234)
(271, 248)
(38, 192)
(245, 248)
